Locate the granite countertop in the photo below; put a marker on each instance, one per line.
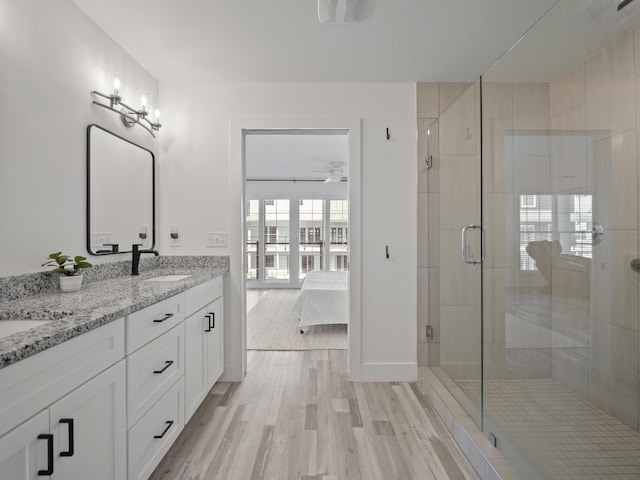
(96, 304)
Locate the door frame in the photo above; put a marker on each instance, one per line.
(236, 341)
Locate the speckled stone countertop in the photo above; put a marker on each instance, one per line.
(97, 303)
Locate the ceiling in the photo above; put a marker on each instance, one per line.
(283, 41)
(299, 155)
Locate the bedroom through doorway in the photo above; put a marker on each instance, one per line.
(297, 239)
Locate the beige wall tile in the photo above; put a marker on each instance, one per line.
(449, 93)
(458, 126)
(532, 175)
(612, 178)
(567, 91)
(497, 100)
(569, 284)
(568, 155)
(502, 232)
(433, 242)
(458, 192)
(423, 303)
(497, 155)
(610, 88)
(459, 282)
(434, 354)
(428, 100)
(434, 149)
(614, 286)
(613, 378)
(460, 338)
(571, 368)
(494, 318)
(531, 106)
(423, 230)
(423, 354)
(494, 362)
(636, 35)
(427, 145)
(434, 303)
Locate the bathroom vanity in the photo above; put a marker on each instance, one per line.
(104, 388)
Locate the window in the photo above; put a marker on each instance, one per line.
(564, 220)
(270, 234)
(306, 263)
(268, 261)
(528, 201)
(341, 262)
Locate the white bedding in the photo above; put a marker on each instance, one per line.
(323, 299)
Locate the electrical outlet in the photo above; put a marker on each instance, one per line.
(174, 236)
(99, 239)
(217, 239)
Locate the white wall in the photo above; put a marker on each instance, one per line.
(51, 57)
(198, 196)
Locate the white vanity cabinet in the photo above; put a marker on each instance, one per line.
(155, 383)
(75, 425)
(204, 352)
(108, 404)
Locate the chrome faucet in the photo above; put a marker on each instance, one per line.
(135, 257)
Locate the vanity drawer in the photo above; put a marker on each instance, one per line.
(150, 322)
(164, 420)
(152, 370)
(201, 295)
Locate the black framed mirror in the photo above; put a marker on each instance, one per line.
(120, 193)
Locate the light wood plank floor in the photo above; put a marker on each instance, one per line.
(296, 416)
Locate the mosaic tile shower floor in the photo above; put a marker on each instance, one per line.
(562, 434)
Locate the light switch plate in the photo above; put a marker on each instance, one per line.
(217, 239)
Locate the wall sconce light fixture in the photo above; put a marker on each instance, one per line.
(129, 116)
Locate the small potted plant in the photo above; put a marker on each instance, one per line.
(69, 269)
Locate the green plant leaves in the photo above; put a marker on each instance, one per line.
(66, 265)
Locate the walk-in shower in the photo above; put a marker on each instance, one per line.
(539, 340)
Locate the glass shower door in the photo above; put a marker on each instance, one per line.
(460, 221)
(560, 205)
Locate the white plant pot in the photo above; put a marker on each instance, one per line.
(70, 283)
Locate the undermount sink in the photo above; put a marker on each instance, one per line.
(11, 326)
(167, 278)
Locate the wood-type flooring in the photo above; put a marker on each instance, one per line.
(296, 416)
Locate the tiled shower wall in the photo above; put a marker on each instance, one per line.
(433, 99)
(575, 135)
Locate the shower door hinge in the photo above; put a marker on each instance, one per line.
(429, 332)
(493, 440)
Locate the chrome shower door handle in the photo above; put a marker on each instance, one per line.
(465, 259)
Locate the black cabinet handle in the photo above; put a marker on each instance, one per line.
(213, 320)
(166, 429)
(208, 329)
(69, 422)
(166, 317)
(167, 364)
(49, 438)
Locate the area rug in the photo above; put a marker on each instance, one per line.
(272, 325)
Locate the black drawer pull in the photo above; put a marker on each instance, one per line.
(167, 364)
(49, 438)
(68, 453)
(166, 429)
(208, 315)
(166, 317)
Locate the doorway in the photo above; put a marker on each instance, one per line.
(296, 225)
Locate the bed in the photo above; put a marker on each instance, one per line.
(323, 299)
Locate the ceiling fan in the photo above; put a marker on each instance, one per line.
(335, 172)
